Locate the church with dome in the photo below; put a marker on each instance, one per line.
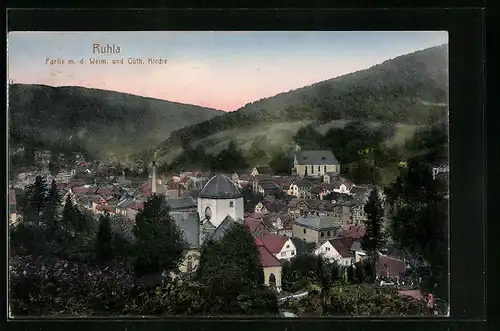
(219, 199)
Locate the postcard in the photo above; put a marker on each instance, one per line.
(228, 173)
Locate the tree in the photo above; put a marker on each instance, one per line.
(159, 243)
(104, 239)
(419, 217)
(372, 241)
(251, 199)
(256, 153)
(280, 163)
(231, 266)
(37, 199)
(72, 218)
(52, 208)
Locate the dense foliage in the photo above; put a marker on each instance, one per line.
(231, 270)
(159, 242)
(409, 89)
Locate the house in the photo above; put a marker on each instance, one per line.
(281, 246)
(315, 163)
(260, 208)
(388, 266)
(356, 210)
(274, 205)
(359, 253)
(256, 226)
(342, 185)
(13, 216)
(314, 229)
(261, 170)
(270, 265)
(302, 207)
(337, 249)
(282, 223)
(101, 209)
(354, 231)
(330, 177)
(300, 189)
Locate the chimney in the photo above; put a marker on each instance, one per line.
(153, 179)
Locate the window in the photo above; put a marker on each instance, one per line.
(287, 246)
(312, 169)
(231, 203)
(304, 230)
(283, 254)
(319, 169)
(322, 234)
(293, 253)
(328, 233)
(327, 248)
(324, 168)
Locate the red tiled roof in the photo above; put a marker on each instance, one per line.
(136, 205)
(61, 186)
(353, 231)
(258, 215)
(273, 242)
(389, 266)
(252, 224)
(105, 208)
(105, 190)
(12, 197)
(83, 190)
(244, 178)
(266, 258)
(343, 245)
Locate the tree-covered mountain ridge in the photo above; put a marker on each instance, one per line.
(410, 89)
(102, 122)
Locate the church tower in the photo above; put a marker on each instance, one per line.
(153, 179)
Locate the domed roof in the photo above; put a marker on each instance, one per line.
(220, 187)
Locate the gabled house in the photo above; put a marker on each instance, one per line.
(300, 189)
(390, 267)
(260, 208)
(281, 246)
(338, 250)
(303, 207)
(261, 170)
(282, 223)
(256, 226)
(315, 163)
(270, 265)
(330, 177)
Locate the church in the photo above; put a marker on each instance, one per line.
(218, 199)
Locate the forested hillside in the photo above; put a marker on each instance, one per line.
(102, 122)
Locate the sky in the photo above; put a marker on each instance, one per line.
(221, 70)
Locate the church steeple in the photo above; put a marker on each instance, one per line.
(153, 179)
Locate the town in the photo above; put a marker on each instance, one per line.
(314, 212)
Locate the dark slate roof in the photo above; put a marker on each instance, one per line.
(302, 246)
(316, 222)
(223, 228)
(189, 225)
(316, 157)
(181, 203)
(220, 187)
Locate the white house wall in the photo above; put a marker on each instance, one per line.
(287, 253)
(221, 209)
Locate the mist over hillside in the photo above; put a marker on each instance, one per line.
(102, 122)
(411, 89)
